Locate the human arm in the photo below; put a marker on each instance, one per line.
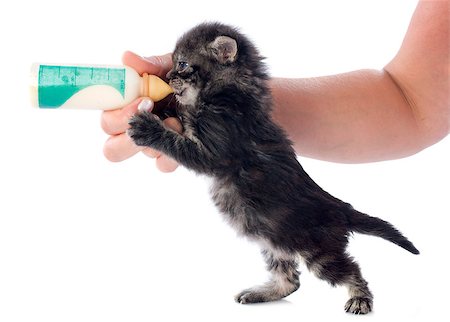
(361, 116)
(372, 115)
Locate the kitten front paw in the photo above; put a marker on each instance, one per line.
(145, 128)
(359, 305)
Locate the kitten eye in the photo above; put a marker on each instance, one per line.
(182, 66)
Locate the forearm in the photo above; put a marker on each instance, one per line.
(355, 117)
(371, 115)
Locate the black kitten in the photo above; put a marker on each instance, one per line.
(225, 105)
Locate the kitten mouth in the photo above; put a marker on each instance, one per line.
(179, 92)
(177, 86)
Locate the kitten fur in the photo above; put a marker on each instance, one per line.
(224, 105)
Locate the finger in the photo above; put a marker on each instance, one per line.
(120, 147)
(154, 65)
(151, 153)
(116, 121)
(173, 123)
(166, 164)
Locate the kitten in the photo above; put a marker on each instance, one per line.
(224, 105)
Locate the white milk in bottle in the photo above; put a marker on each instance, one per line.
(91, 86)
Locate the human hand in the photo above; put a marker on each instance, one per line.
(119, 145)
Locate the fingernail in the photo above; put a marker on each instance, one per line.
(145, 105)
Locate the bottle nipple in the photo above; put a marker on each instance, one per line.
(155, 88)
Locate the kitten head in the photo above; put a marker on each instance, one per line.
(209, 55)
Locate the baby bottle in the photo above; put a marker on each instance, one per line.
(92, 86)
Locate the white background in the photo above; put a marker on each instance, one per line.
(83, 239)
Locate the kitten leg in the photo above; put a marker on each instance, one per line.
(284, 280)
(343, 270)
(148, 130)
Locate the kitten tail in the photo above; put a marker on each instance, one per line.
(365, 224)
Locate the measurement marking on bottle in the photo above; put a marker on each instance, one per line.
(58, 83)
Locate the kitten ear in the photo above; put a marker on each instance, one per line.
(224, 49)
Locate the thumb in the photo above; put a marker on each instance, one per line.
(153, 65)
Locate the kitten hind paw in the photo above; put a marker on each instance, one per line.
(359, 305)
(250, 296)
(259, 294)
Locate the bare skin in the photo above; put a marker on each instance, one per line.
(361, 116)
(373, 115)
(119, 146)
